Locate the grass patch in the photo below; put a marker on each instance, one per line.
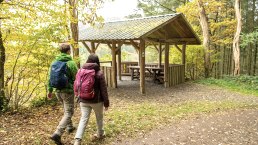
(134, 119)
(242, 84)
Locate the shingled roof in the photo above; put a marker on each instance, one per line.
(173, 27)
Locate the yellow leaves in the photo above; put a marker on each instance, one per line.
(219, 13)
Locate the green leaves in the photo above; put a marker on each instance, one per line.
(249, 38)
(31, 31)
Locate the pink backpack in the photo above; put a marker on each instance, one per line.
(84, 84)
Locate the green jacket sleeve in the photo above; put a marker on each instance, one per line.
(50, 89)
(73, 69)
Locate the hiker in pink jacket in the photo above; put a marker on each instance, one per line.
(97, 103)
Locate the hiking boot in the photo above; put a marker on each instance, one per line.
(57, 139)
(77, 141)
(70, 130)
(97, 136)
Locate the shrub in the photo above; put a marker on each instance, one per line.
(38, 102)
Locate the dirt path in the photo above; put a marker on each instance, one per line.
(233, 127)
(239, 127)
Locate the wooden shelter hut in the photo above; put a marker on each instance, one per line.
(159, 31)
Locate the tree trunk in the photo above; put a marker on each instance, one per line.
(2, 62)
(74, 26)
(236, 49)
(206, 38)
(255, 56)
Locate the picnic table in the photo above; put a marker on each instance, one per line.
(155, 72)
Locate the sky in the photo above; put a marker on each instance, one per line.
(117, 9)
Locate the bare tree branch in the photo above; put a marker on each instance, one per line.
(164, 6)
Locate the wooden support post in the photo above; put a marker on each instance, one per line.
(183, 60)
(142, 66)
(166, 66)
(92, 47)
(183, 54)
(160, 54)
(139, 57)
(114, 80)
(119, 63)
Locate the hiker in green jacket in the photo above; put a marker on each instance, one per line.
(61, 78)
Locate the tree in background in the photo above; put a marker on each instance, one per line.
(206, 38)
(160, 7)
(236, 47)
(86, 10)
(249, 35)
(31, 38)
(31, 35)
(2, 62)
(220, 21)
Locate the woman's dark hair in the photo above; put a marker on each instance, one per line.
(93, 58)
(64, 48)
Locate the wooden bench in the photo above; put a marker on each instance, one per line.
(155, 72)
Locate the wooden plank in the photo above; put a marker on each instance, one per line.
(106, 76)
(170, 76)
(177, 78)
(142, 66)
(110, 77)
(179, 74)
(173, 76)
(176, 73)
(183, 74)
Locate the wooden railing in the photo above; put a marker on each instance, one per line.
(125, 71)
(105, 63)
(107, 70)
(176, 74)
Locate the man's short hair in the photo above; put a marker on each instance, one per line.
(64, 48)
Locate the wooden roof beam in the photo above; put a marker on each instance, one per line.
(184, 40)
(153, 40)
(109, 45)
(178, 48)
(86, 46)
(135, 44)
(97, 45)
(156, 47)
